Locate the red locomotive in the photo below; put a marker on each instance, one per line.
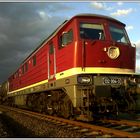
(86, 67)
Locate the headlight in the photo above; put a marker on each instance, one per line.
(84, 79)
(113, 52)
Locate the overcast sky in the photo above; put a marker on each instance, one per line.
(23, 26)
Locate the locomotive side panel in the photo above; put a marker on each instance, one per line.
(32, 71)
(66, 47)
(49, 60)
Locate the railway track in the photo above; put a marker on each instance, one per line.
(105, 128)
(123, 125)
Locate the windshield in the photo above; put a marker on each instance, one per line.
(118, 34)
(91, 31)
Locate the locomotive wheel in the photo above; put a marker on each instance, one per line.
(56, 108)
(66, 107)
(50, 109)
(40, 103)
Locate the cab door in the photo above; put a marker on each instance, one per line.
(51, 62)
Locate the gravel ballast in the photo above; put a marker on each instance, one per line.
(26, 126)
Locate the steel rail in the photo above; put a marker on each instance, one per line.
(91, 127)
(124, 122)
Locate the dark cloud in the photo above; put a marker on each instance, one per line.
(23, 26)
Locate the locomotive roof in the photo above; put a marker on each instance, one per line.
(98, 16)
(65, 22)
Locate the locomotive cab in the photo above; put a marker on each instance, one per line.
(105, 46)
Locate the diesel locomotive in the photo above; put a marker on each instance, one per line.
(85, 68)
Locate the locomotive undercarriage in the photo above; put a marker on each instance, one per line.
(119, 101)
(84, 100)
(110, 99)
(54, 102)
(89, 105)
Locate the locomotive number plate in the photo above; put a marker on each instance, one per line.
(112, 80)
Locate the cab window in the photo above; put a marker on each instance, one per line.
(91, 31)
(118, 34)
(66, 38)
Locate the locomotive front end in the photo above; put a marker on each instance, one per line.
(106, 47)
(108, 85)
